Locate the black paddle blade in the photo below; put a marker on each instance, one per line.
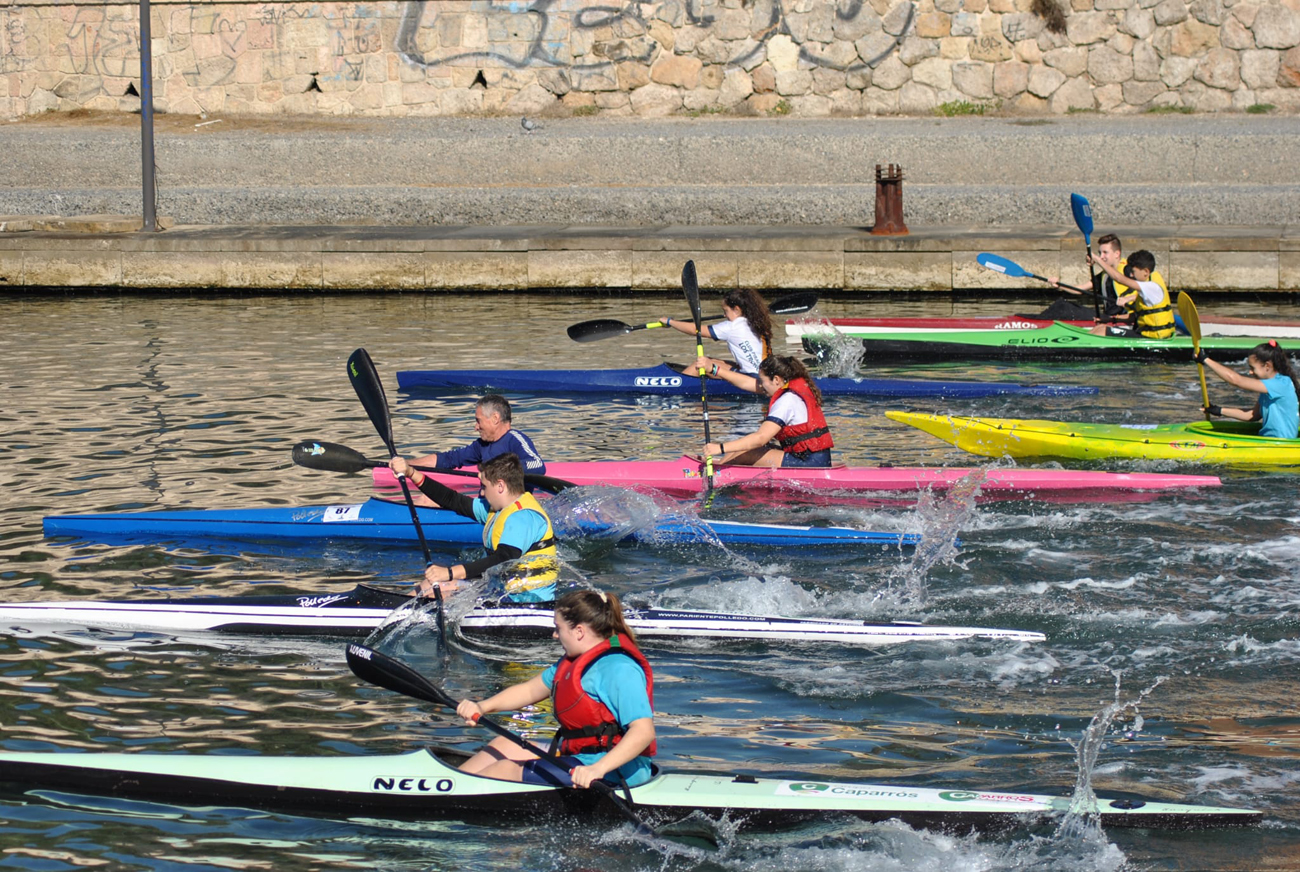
(691, 287)
(330, 457)
(546, 482)
(601, 328)
(392, 674)
(370, 390)
(793, 304)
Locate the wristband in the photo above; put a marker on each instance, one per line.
(668, 322)
(722, 447)
(715, 371)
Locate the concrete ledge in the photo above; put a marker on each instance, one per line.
(1262, 258)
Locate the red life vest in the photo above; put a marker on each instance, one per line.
(587, 725)
(813, 434)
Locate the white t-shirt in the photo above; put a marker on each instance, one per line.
(746, 348)
(788, 410)
(1151, 293)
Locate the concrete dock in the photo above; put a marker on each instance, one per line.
(480, 204)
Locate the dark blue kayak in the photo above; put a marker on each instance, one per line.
(383, 521)
(667, 380)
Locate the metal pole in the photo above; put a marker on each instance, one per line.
(146, 117)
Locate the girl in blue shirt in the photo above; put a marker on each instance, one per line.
(618, 684)
(1276, 410)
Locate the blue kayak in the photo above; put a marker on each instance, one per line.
(383, 521)
(667, 380)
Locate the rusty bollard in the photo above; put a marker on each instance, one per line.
(889, 202)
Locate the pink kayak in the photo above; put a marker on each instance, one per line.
(1220, 325)
(683, 477)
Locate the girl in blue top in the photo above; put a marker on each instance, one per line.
(1276, 410)
(615, 690)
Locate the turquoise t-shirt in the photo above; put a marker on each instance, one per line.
(618, 682)
(523, 530)
(1279, 411)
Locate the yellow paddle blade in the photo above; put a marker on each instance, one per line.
(1192, 321)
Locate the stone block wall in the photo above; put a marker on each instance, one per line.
(804, 57)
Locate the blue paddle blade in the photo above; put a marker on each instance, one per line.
(1082, 216)
(1002, 265)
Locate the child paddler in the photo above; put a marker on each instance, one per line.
(1271, 377)
(1153, 313)
(515, 527)
(794, 420)
(603, 694)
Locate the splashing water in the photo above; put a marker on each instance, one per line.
(939, 518)
(1083, 820)
(612, 514)
(839, 355)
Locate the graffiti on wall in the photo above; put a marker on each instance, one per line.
(519, 35)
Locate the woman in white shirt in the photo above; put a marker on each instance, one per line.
(747, 331)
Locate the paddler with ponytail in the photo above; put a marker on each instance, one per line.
(515, 527)
(794, 420)
(603, 695)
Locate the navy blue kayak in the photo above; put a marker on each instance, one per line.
(383, 521)
(667, 380)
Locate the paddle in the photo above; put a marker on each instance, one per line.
(388, 672)
(1083, 218)
(332, 457)
(608, 328)
(1191, 320)
(691, 288)
(370, 390)
(1016, 271)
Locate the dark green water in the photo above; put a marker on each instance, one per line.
(115, 403)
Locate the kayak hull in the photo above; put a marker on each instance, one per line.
(359, 612)
(795, 329)
(1057, 342)
(420, 785)
(683, 477)
(667, 381)
(388, 522)
(1217, 443)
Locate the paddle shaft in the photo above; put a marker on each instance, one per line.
(370, 390)
(691, 287)
(332, 457)
(388, 672)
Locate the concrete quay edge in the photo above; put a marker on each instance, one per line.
(106, 252)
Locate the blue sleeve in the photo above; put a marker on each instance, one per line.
(619, 683)
(516, 443)
(548, 677)
(458, 457)
(481, 510)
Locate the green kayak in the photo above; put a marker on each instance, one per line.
(1056, 342)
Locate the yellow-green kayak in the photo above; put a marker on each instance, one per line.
(1231, 443)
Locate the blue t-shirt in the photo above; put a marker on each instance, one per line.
(479, 452)
(523, 530)
(1279, 411)
(617, 682)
